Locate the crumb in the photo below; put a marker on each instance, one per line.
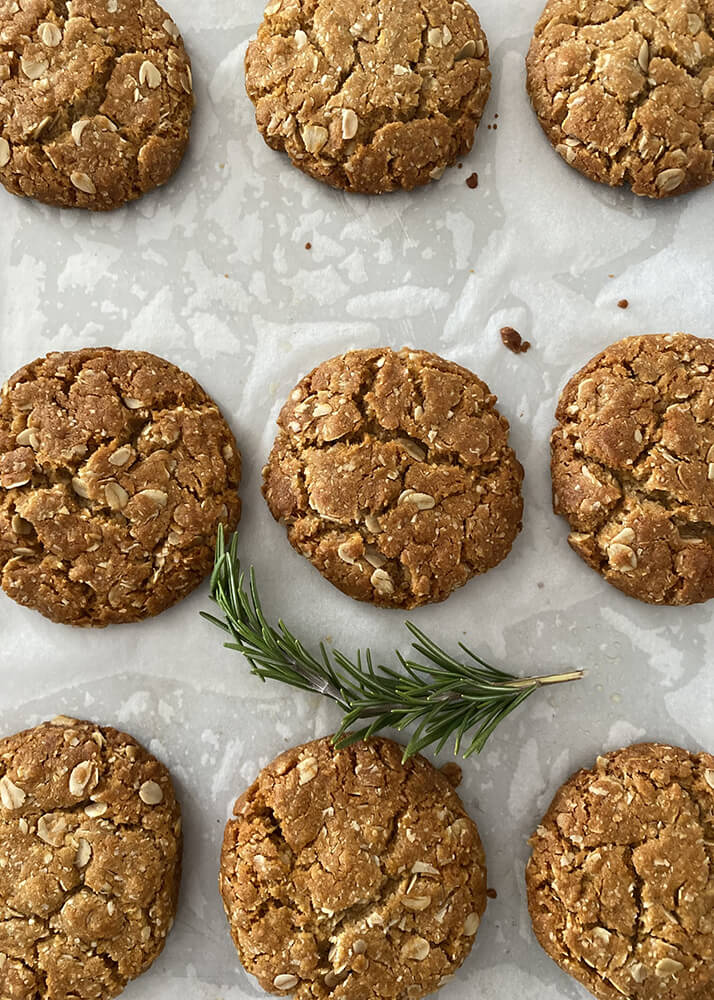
(623, 303)
(495, 126)
(540, 585)
(460, 165)
(496, 115)
(308, 246)
(453, 773)
(513, 340)
(472, 180)
(492, 894)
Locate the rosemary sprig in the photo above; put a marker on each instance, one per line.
(441, 698)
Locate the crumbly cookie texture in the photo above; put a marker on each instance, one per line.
(624, 90)
(371, 96)
(90, 837)
(95, 100)
(351, 875)
(621, 879)
(115, 471)
(393, 474)
(633, 466)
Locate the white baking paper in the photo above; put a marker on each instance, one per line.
(212, 273)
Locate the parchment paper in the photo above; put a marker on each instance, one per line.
(212, 273)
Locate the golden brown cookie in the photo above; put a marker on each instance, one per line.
(621, 879)
(90, 837)
(371, 96)
(115, 471)
(393, 474)
(351, 875)
(95, 100)
(624, 89)
(633, 466)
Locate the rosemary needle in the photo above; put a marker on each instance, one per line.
(438, 696)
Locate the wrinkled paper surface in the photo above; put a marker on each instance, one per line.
(212, 273)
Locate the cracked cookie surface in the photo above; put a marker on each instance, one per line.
(621, 879)
(369, 97)
(95, 100)
(351, 875)
(115, 471)
(393, 474)
(624, 90)
(90, 837)
(633, 466)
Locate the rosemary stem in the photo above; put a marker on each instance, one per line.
(524, 682)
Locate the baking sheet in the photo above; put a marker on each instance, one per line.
(212, 272)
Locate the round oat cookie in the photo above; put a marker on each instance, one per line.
(633, 466)
(90, 837)
(351, 875)
(95, 100)
(369, 97)
(115, 471)
(621, 878)
(624, 89)
(393, 474)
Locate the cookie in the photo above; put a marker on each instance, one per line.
(369, 97)
(625, 91)
(393, 475)
(115, 471)
(351, 875)
(95, 100)
(621, 878)
(90, 837)
(633, 466)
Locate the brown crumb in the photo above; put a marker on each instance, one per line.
(453, 773)
(308, 246)
(460, 166)
(492, 894)
(513, 340)
(472, 180)
(623, 303)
